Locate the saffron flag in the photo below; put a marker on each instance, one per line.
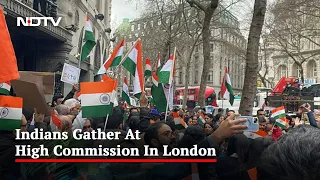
(254, 135)
(56, 121)
(10, 112)
(133, 64)
(9, 68)
(113, 60)
(226, 88)
(5, 88)
(148, 68)
(279, 114)
(89, 39)
(125, 91)
(179, 122)
(96, 98)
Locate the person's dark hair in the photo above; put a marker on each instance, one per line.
(170, 122)
(27, 113)
(133, 122)
(220, 110)
(192, 135)
(186, 119)
(230, 110)
(238, 144)
(210, 116)
(260, 110)
(115, 119)
(133, 108)
(55, 98)
(261, 119)
(272, 120)
(217, 117)
(152, 133)
(256, 148)
(294, 156)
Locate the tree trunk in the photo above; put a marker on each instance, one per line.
(301, 73)
(186, 84)
(252, 62)
(206, 56)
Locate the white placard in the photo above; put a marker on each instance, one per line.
(316, 101)
(70, 74)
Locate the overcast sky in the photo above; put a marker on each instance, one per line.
(130, 9)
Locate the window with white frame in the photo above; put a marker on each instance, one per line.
(139, 26)
(132, 27)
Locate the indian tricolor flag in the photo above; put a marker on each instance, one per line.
(148, 69)
(115, 94)
(201, 119)
(10, 113)
(96, 98)
(89, 39)
(133, 64)
(125, 91)
(178, 121)
(279, 114)
(114, 59)
(254, 135)
(226, 88)
(155, 79)
(166, 73)
(5, 88)
(9, 67)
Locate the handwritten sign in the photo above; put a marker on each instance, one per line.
(70, 74)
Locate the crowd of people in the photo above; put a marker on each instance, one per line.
(290, 153)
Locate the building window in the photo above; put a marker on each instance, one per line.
(151, 23)
(210, 76)
(159, 22)
(145, 25)
(282, 71)
(211, 47)
(138, 26)
(136, 35)
(197, 49)
(312, 69)
(132, 27)
(130, 36)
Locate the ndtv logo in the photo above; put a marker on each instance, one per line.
(36, 21)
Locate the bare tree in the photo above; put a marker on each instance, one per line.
(252, 62)
(295, 31)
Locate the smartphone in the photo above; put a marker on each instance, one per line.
(251, 122)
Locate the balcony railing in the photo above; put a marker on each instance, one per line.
(24, 8)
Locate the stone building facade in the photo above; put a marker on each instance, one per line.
(47, 48)
(227, 49)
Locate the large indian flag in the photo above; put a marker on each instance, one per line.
(226, 88)
(96, 98)
(10, 113)
(5, 88)
(89, 39)
(114, 59)
(178, 121)
(133, 64)
(166, 73)
(158, 94)
(125, 91)
(279, 114)
(148, 69)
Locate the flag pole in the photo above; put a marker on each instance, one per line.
(171, 84)
(105, 124)
(79, 63)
